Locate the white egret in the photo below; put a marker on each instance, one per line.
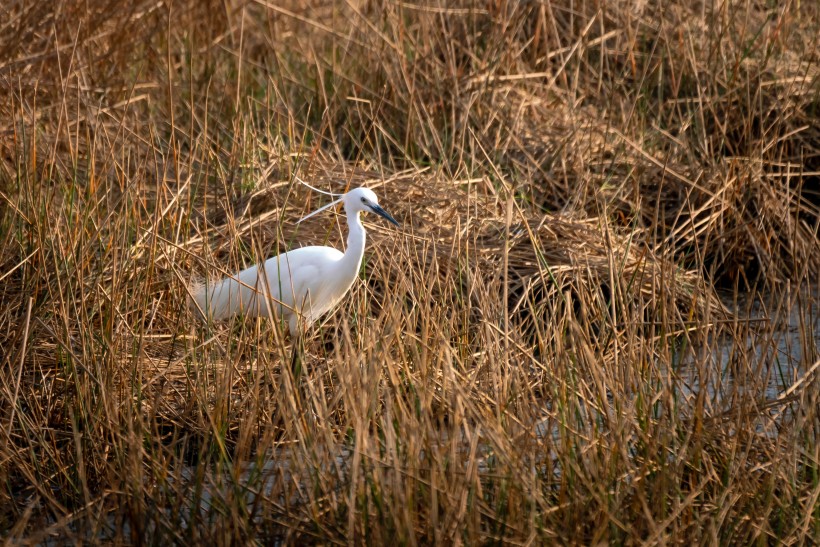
(304, 282)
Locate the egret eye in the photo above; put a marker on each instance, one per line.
(364, 200)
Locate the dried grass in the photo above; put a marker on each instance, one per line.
(533, 357)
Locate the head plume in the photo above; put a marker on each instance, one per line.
(319, 210)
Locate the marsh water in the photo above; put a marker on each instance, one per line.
(771, 346)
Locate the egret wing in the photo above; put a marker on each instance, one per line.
(297, 278)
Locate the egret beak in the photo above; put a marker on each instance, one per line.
(382, 213)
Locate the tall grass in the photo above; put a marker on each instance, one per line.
(609, 216)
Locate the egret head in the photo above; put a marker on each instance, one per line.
(355, 201)
(364, 199)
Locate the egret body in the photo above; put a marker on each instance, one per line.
(304, 282)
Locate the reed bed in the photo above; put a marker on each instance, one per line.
(609, 235)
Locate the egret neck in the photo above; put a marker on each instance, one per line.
(356, 236)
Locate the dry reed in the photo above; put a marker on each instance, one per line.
(597, 202)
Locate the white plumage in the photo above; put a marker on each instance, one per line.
(306, 282)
